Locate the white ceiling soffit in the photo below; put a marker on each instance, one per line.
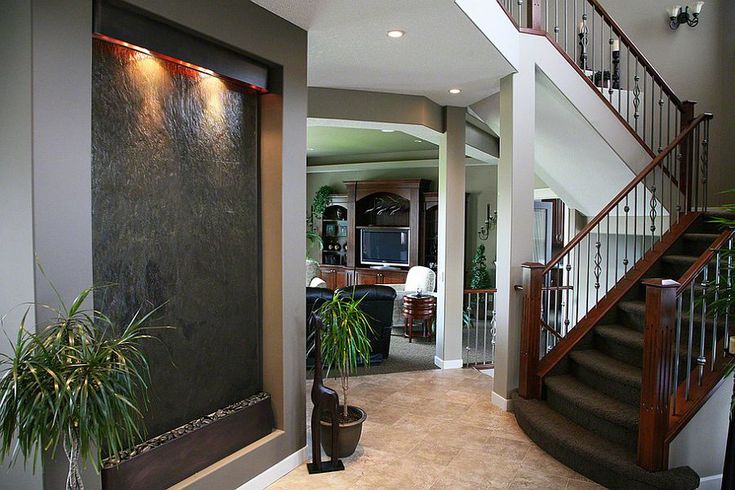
(442, 49)
(419, 131)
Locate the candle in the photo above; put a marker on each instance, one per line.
(616, 45)
(731, 346)
(697, 7)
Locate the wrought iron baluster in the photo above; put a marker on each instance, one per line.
(705, 163)
(636, 96)
(702, 359)
(625, 251)
(690, 339)
(598, 268)
(718, 258)
(589, 252)
(484, 331)
(677, 350)
(660, 118)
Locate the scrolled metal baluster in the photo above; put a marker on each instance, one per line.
(652, 213)
(583, 35)
(660, 119)
(598, 268)
(636, 96)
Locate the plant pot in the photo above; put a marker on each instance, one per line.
(348, 437)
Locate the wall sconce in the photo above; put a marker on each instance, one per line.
(679, 16)
(490, 223)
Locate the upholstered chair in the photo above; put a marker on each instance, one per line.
(418, 277)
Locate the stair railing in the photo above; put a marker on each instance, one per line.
(479, 328)
(561, 296)
(684, 348)
(598, 48)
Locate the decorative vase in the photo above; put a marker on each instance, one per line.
(348, 437)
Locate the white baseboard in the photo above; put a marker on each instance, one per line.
(713, 482)
(504, 404)
(449, 364)
(278, 470)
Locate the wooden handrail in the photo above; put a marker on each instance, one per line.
(703, 260)
(637, 53)
(619, 197)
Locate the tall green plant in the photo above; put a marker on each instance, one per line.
(80, 382)
(344, 338)
(479, 275)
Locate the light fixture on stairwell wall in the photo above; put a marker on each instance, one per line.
(679, 15)
(490, 223)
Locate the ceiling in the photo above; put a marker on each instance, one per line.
(345, 143)
(442, 49)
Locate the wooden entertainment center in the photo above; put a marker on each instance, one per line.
(396, 206)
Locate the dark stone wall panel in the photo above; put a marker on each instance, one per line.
(175, 219)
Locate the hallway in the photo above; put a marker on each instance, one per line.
(437, 429)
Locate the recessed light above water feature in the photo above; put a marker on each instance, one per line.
(455, 91)
(396, 34)
(387, 130)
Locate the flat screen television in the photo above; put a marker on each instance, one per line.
(384, 246)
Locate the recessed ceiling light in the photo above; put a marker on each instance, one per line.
(395, 33)
(418, 141)
(311, 149)
(388, 130)
(455, 91)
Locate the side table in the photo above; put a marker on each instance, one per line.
(418, 308)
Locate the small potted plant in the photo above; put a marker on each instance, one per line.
(345, 343)
(79, 382)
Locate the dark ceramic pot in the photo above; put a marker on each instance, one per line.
(349, 435)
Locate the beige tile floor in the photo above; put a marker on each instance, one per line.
(437, 429)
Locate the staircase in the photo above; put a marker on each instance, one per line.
(620, 345)
(589, 418)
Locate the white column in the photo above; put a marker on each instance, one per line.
(515, 220)
(450, 283)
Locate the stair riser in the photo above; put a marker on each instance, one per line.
(620, 435)
(612, 387)
(632, 318)
(622, 352)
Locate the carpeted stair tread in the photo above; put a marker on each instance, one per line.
(607, 367)
(622, 335)
(589, 399)
(596, 458)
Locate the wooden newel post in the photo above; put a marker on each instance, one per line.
(686, 177)
(534, 14)
(658, 366)
(530, 382)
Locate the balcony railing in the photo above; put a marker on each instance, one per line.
(478, 332)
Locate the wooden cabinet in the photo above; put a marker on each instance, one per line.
(378, 276)
(336, 277)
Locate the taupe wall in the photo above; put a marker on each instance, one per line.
(58, 180)
(481, 184)
(16, 210)
(698, 63)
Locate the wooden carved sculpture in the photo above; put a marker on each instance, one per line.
(324, 399)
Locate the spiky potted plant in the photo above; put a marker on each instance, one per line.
(345, 344)
(79, 382)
